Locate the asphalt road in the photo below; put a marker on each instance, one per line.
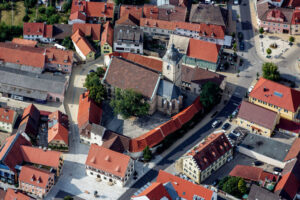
(182, 148)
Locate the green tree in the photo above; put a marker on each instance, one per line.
(50, 11)
(147, 154)
(233, 34)
(100, 72)
(292, 39)
(53, 19)
(67, 42)
(261, 30)
(68, 197)
(269, 51)
(7, 33)
(30, 3)
(67, 5)
(26, 18)
(42, 10)
(242, 186)
(234, 46)
(129, 103)
(96, 89)
(270, 71)
(210, 94)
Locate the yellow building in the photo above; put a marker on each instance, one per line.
(107, 39)
(277, 97)
(205, 158)
(257, 119)
(7, 120)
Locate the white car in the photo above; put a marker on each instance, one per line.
(237, 134)
(236, 2)
(250, 88)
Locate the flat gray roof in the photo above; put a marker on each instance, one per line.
(266, 146)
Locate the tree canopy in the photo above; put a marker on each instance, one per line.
(30, 3)
(210, 94)
(147, 154)
(269, 51)
(9, 32)
(270, 71)
(67, 42)
(97, 90)
(129, 103)
(235, 186)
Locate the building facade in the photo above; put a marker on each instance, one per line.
(7, 119)
(107, 38)
(38, 31)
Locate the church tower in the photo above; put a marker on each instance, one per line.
(172, 65)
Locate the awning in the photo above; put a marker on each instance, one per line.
(253, 127)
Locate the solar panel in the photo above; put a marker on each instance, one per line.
(278, 94)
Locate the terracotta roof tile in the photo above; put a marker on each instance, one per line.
(12, 195)
(58, 56)
(93, 9)
(58, 117)
(93, 30)
(203, 50)
(23, 55)
(58, 133)
(107, 35)
(296, 16)
(155, 191)
(82, 43)
(33, 28)
(77, 15)
(41, 157)
(150, 11)
(34, 176)
(24, 42)
(88, 111)
(107, 160)
(175, 13)
(276, 94)
(115, 142)
(135, 11)
(288, 186)
(247, 172)
(128, 20)
(7, 115)
(289, 126)
(294, 150)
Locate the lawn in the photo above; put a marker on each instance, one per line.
(19, 13)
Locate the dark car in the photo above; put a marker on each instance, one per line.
(242, 46)
(258, 163)
(277, 169)
(231, 136)
(240, 36)
(225, 126)
(261, 36)
(91, 71)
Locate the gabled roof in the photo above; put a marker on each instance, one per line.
(88, 111)
(35, 176)
(11, 194)
(58, 117)
(58, 133)
(84, 46)
(296, 16)
(294, 150)
(128, 20)
(22, 55)
(77, 15)
(155, 191)
(124, 74)
(209, 150)
(135, 11)
(168, 90)
(92, 30)
(41, 157)
(172, 13)
(276, 94)
(59, 56)
(288, 125)
(288, 186)
(150, 11)
(107, 160)
(24, 42)
(115, 142)
(107, 35)
(7, 115)
(185, 189)
(34, 28)
(61, 31)
(203, 50)
(30, 121)
(259, 193)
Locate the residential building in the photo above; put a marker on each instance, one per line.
(128, 20)
(7, 119)
(30, 121)
(14, 194)
(134, 11)
(115, 142)
(291, 3)
(128, 39)
(277, 97)
(289, 127)
(91, 12)
(168, 186)
(208, 14)
(88, 113)
(59, 60)
(258, 193)
(38, 31)
(208, 156)
(192, 79)
(295, 23)
(36, 181)
(183, 3)
(24, 42)
(256, 119)
(107, 38)
(109, 166)
(58, 137)
(83, 47)
(62, 31)
(88, 30)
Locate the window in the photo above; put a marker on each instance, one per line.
(286, 111)
(91, 173)
(168, 67)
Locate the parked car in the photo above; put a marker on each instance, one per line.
(216, 123)
(236, 2)
(258, 163)
(91, 71)
(231, 136)
(225, 126)
(240, 36)
(277, 169)
(235, 112)
(235, 133)
(261, 36)
(242, 46)
(250, 88)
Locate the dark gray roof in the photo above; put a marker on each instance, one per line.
(294, 167)
(128, 34)
(266, 146)
(61, 31)
(168, 90)
(259, 193)
(288, 14)
(33, 85)
(208, 14)
(172, 56)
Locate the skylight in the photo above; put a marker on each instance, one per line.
(278, 94)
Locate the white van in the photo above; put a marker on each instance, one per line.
(236, 2)
(17, 97)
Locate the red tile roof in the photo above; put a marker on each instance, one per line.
(107, 160)
(93, 9)
(88, 111)
(135, 11)
(155, 191)
(24, 42)
(173, 14)
(211, 149)
(128, 20)
(87, 30)
(84, 46)
(30, 120)
(58, 133)
(58, 56)
(294, 150)
(11, 194)
(276, 94)
(296, 17)
(247, 172)
(22, 55)
(41, 157)
(288, 125)
(7, 115)
(185, 189)
(203, 50)
(288, 186)
(150, 11)
(59, 117)
(292, 3)
(107, 35)
(188, 113)
(77, 15)
(34, 176)
(34, 28)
